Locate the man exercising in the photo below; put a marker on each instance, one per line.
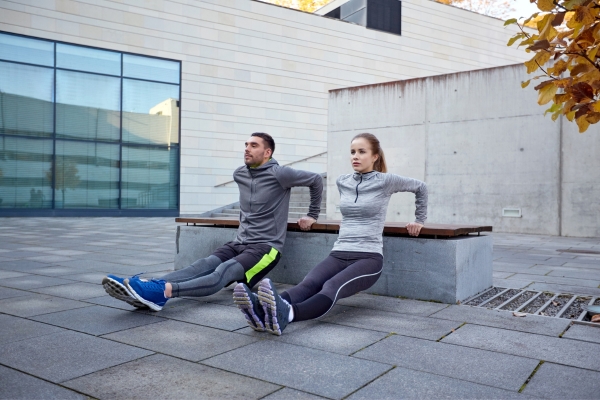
(264, 188)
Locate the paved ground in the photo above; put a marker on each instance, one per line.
(61, 336)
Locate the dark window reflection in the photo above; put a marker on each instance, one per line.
(87, 175)
(151, 69)
(26, 50)
(150, 112)
(26, 95)
(25, 173)
(150, 177)
(86, 59)
(87, 106)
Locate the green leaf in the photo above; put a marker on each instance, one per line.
(553, 109)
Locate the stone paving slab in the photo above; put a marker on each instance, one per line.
(582, 332)
(561, 280)
(58, 271)
(330, 337)
(512, 283)
(384, 303)
(32, 281)
(504, 319)
(37, 304)
(13, 329)
(513, 267)
(21, 265)
(6, 293)
(557, 288)
(16, 385)
(97, 320)
(207, 314)
(10, 274)
(552, 381)
(182, 340)
(88, 277)
(474, 365)
(161, 376)
(109, 301)
(50, 259)
(66, 355)
(19, 254)
(74, 291)
(317, 372)
(539, 347)
(291, 394)
(409, 384)
(402, 324)
(129, 270)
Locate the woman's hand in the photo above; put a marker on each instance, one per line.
(414, 228)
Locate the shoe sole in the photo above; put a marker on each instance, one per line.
(244, 303)
(269, 305)
(120, 292)
(149, 304)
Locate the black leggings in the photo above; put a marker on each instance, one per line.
(340, 275)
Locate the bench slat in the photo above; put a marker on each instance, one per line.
(397, 228)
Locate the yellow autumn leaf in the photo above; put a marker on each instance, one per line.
(525, 84)
(595, 106)
(542, 57)
(583, 15)
(556, 115)
(531, 65)
(593, 118)
(570, 115)
(546, 94)
(582, 123)
(545, 5)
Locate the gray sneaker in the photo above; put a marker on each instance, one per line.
(248, 304)
(276, 309)
(114, 286)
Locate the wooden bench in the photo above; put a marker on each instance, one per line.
(446, 263)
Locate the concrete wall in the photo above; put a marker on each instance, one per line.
(251, 66)
(481, 143)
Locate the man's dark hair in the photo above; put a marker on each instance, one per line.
(269, 142)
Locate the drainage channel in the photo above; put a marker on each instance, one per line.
(546, 304)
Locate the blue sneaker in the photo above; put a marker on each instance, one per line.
(115, 287)
(151, 293)
(277, 310)
(249, 305)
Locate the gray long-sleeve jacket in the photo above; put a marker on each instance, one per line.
(265, 201)
(364, 199)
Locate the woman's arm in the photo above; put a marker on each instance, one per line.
(396, 183)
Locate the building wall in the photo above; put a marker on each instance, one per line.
(481, 143)
(250, 66)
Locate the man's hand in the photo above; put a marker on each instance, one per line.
(306, 222)
(414, 228)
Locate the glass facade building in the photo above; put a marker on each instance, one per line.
(87, 131)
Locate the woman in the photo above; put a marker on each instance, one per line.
(356, 260)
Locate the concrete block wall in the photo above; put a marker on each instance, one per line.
(481, 143)
(251, 66)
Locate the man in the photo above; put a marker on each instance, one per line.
(264, 188)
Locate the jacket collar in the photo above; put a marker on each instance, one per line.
(369, 175)
(266, 165)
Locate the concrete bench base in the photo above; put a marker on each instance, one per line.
(444, 270)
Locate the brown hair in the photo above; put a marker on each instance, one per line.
(376, 149)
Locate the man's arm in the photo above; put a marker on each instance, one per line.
(289, 177)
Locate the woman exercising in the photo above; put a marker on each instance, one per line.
(356, 260)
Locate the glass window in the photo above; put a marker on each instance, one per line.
(149, 178)
(87, 106)
(150, 112)
(31, 51)
(151, 69)
(25, 173)
(87, 175)
(86, 59)
(26, 94)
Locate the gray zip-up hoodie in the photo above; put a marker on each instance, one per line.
(265, 201)
(364, 199)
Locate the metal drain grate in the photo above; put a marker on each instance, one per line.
(547, 304)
